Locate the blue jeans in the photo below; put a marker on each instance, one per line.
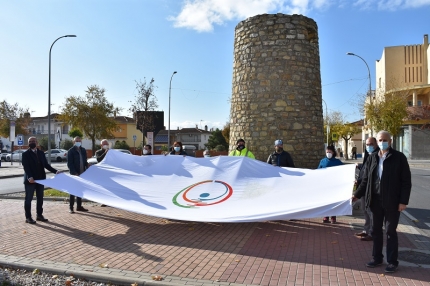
(29, 193)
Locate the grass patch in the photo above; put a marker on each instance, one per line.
(55, 193)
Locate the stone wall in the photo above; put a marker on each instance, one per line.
(277, 87)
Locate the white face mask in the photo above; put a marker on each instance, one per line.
(145, 151)
(329, 155)
(78, 144)
(105, 147)
(207, 155)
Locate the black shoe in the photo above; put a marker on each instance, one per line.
(41, 218)
(373, 263)
(30, 221)
(391, 268)
(81, 209)
(71, 211)
(103, 205)
(366, 238)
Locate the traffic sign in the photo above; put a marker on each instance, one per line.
(134, 137)
(20, 139)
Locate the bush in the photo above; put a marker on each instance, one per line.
(121, 145)
(66, 144)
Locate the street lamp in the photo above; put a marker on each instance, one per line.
(370, 82)
(49, 98)
(168, 127)
(326, 119)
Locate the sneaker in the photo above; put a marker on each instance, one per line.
(333, 220)
(373, 263)
(391, 268)
(326, 220)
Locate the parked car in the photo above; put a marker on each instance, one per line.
(58, 155)
(3, 155)
(15, 156)
(93, 159)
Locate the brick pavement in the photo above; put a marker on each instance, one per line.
(118, 245)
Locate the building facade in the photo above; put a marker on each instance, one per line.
(405, 70)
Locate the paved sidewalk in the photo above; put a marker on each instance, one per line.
(121, 247)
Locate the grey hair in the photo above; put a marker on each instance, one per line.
(383, 132)
(103, 140)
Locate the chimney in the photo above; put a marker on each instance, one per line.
(206, 128)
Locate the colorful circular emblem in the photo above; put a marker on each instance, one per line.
(202, 194)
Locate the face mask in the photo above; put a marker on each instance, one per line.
(329, 155)
(78, 144)
(105, 147)
(370, 149)
(207, 155)
(240, 147)
(177, 149)
(32, 145)
(383, 145)
(145, 151)
(279, 149)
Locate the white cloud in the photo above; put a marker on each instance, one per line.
(202, 15)
(200, 125)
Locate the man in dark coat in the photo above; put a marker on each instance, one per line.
(366, 234)
(280, 157)
(77, 164)
(100, 154)
(34, 163)
(386, 185)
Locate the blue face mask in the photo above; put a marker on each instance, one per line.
(177, 149)
(78, 144)
(370, 149)
(383, 145)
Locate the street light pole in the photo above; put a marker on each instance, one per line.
(326, 119)
(49, 98)
(168, 127)
(370, 82)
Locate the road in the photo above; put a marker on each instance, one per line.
(14, 185)
(419, 202)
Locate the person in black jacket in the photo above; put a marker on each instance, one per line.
(177, 149)
(366, 234)
(386, 185)
(280, 157)
(34, 163)
(77, 164)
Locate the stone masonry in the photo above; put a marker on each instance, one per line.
(277, 87)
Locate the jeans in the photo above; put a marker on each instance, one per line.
(29, 193)
(391, 220)
(72, 201)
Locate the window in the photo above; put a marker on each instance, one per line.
(409, 103)
(419, 103)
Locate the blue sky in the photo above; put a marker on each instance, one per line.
(121, 41)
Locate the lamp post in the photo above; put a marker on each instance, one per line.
(168, 127)
(49, 98)
(326, 119)
(370, 82)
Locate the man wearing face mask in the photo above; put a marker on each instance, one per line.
(241, 150)
(147, 150)
(386, 186)
(280, 157)
(206, 154)
(34, 163)
(366, 234)
(77, 164)
(100, 154)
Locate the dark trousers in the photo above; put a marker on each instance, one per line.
(72, 201)
(29, 193)
(391, 220)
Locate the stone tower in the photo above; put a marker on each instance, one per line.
(277, 87)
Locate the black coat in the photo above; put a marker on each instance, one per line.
(362, 167)
(34, 165)
(395, 184)
(73, 160)
(282, 159)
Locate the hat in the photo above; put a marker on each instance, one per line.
(278, 142)
(240, 140)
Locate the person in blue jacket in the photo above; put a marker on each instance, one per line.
(330, 161)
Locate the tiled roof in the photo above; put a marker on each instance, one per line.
(160, 139)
